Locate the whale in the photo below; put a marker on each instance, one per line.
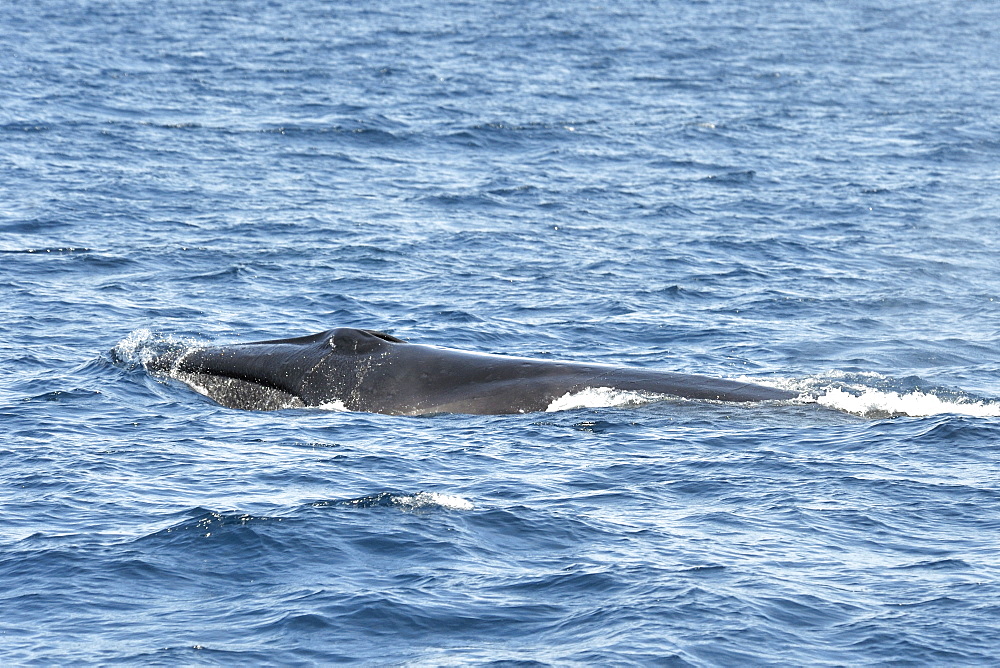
(370, 371)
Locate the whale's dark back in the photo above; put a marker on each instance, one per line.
(365, 370)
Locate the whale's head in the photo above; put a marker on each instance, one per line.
(305, 370)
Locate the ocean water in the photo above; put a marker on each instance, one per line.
(802, 194)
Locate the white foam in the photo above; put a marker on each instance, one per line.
(870, 402)
(133, 350)
(336, 406)
(596, 397)
(848, 392)
(142, 345)
(433, 499)
(134, 340)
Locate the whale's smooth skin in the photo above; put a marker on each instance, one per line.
(364, 370)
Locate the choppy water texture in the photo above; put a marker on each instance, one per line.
(804, 194)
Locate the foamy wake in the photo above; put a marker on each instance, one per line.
(874, 395)
(870, 402)
(851, 393)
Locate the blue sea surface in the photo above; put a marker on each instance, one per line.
(804, 194)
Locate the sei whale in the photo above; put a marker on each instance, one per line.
(365, 370)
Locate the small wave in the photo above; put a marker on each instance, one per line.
(206, 523)
(434, 499)
(32, 227)
(67, 395)
(418, 501)
(597, 397)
